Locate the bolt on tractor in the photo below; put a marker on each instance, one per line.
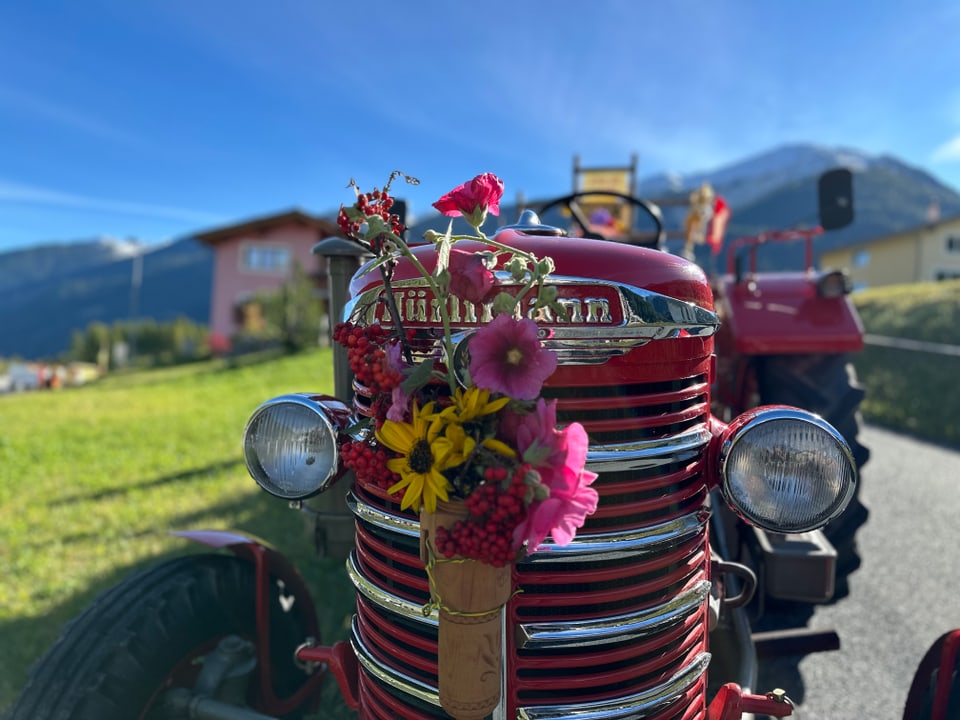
(640, 614)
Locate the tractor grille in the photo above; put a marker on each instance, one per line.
(612, 626)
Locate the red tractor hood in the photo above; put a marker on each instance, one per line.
(652, 270)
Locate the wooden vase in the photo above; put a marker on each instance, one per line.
(470, 595)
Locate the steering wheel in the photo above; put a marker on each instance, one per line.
(595, 214)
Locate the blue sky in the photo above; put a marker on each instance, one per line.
(159, 118)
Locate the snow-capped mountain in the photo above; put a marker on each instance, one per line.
(27, 265)
(746, 181)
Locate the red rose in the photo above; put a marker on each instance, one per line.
(470, 278)
(473, 199)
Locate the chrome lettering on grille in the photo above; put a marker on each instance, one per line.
(598, 310)
(600, 319)
(412, 303)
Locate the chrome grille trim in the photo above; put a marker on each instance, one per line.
(386, 600)
(646, 453)
(634, 706)
(606, 546)
(400, 681)
(614, 628)
(583, 548)
(383, 520)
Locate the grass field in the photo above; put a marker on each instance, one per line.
(911, 391)
(93, 479)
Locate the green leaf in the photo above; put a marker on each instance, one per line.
(536, 454)
(443, 245)
(355, 214)
(359, 426)
(418, 377)
(380, 260)
(377, 227)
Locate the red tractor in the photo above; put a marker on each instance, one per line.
(641, 615)
(785, 337)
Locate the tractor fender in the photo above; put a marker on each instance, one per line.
(267, 562)
(784, 314)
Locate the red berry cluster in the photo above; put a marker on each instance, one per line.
(496, 507)
(368, 461)
(366, 356)
(376, 202)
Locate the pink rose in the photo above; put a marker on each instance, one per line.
(470, 278)
(473, 199)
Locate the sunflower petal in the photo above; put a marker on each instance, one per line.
(499, 446)
(399, 437)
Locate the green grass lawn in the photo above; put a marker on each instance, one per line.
(908, 390)
(93, 479)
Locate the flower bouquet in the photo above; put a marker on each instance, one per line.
(461, 434)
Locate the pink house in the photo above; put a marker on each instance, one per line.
(258, 255)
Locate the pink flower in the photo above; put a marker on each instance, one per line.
(571, 498)
(399, 399)
(535, 434)
(470, 278)
(506, 357)
(473, 199)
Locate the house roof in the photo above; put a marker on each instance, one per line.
(259, 225)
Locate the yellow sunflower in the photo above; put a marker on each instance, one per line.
(471, 404)
(425, 452)
(468, 405)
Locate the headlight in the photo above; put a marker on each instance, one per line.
(833, 284)
(290, 444)
(786, 470)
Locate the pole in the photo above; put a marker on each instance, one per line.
(334, 532)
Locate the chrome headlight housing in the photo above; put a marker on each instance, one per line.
(291, 444)
(786, 470)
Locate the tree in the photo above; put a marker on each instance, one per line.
(294, 313)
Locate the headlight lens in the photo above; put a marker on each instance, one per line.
(290, 444)
(786, 470)
(834, 284)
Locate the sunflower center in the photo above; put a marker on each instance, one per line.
(421, 457)
(514, 356)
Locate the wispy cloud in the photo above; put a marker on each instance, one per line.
(65, 116)
(15, 192)
(947, 152)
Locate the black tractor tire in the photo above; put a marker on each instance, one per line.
(825, 385)
(116, 658)
(919, 704)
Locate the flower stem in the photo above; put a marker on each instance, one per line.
(441, 301)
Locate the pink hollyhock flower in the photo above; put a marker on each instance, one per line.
(399, 399)
(571, 498)
(470, 278)
(506, 357)
(537, 433)
(473, 199)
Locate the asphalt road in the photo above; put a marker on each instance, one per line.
(903, 597)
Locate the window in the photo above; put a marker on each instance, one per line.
(940, 275)
(953, 243)
(265, 258)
